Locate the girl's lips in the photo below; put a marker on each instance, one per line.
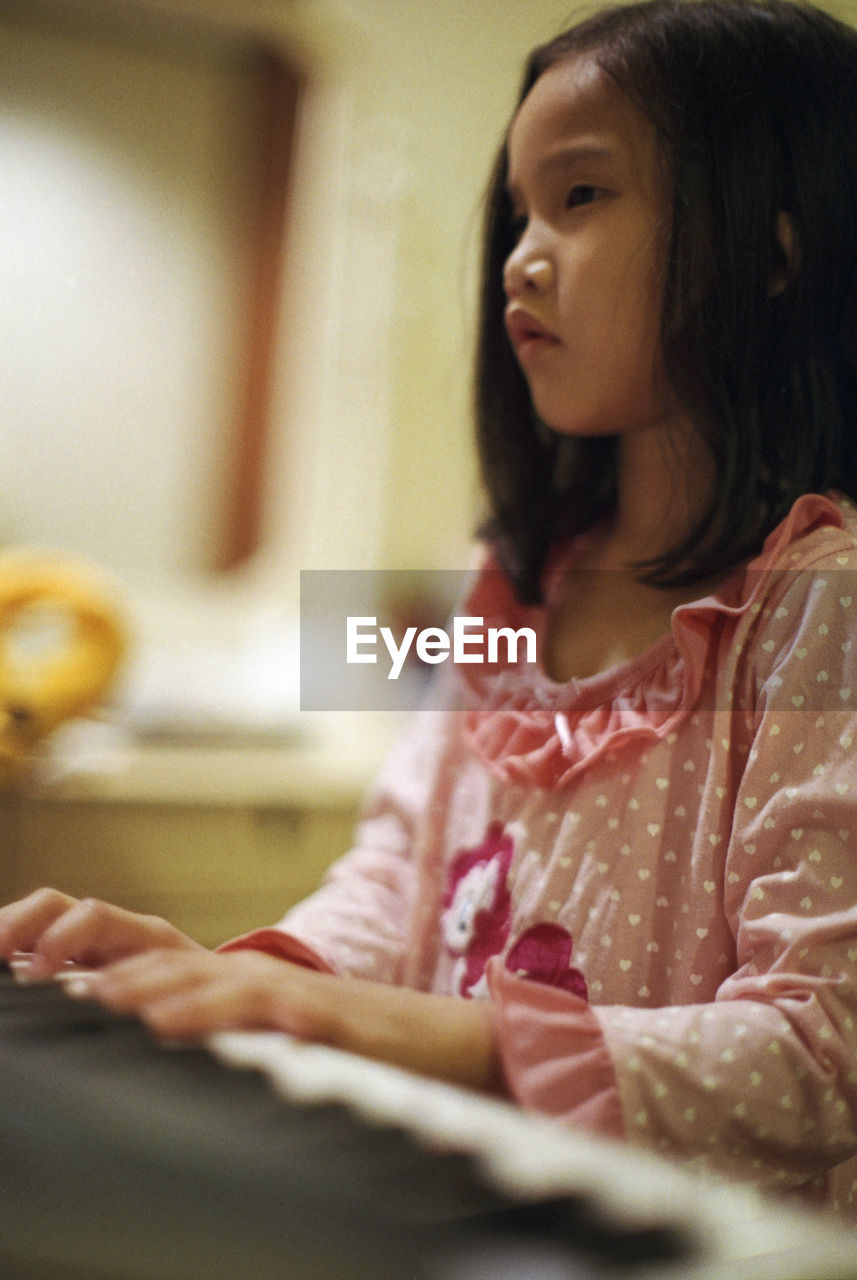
(527, 334)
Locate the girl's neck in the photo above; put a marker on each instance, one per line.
(602, 620)
(664, 478)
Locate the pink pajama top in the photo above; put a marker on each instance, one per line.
(651, 872)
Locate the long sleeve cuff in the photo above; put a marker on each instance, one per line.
(283, 946)
(553, 1053)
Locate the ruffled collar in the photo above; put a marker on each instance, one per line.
(528, 728)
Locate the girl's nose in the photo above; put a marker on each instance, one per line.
(527, 270)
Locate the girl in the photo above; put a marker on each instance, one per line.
(619, 885)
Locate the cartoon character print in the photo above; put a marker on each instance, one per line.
(477, 920)
(478, 908)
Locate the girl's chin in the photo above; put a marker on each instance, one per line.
(577, 430)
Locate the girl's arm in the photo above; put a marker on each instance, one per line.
(357, 922)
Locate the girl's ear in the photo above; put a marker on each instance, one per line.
(786, 254)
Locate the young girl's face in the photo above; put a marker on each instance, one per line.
(584, 284)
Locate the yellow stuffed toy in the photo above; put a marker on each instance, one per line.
(62, 640)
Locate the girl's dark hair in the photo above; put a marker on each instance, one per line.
(755, 108)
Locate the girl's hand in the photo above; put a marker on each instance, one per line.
(56, 928)
(192, 994)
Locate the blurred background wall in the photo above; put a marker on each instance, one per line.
(165, 323)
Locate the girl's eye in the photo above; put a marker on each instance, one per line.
(581, 195)
(519, 226)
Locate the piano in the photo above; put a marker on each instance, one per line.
(260, 1157)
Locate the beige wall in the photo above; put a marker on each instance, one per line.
(371, 463)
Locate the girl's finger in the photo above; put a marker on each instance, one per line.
(192, 995)
(202, 1008)
(185, 995)
(92, 932)
(130, 982)
(23, 923)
